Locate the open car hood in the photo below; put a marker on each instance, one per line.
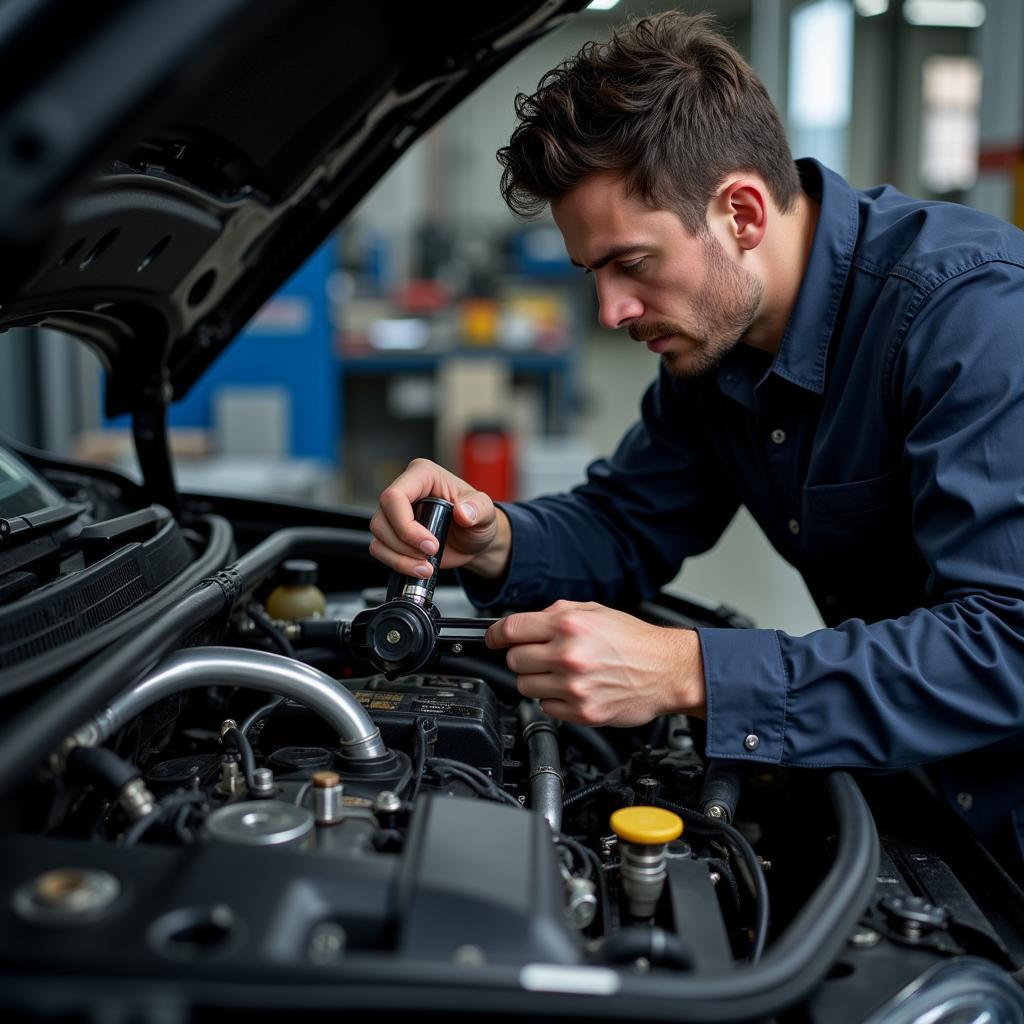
(166, 167)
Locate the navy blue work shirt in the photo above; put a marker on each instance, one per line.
(881, 450)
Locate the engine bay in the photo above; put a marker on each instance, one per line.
(239, 806)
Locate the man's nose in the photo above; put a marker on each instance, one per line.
(617, 306)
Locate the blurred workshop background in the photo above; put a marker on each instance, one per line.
(434, 324)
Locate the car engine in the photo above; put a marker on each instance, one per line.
(261, 817)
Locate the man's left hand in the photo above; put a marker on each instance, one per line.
(596, 666)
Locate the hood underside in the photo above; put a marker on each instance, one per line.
(168, 166)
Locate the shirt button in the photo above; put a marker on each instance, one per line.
(794, 526)
(778, 436)
(751, 742)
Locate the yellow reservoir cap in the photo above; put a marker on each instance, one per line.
(647, 825)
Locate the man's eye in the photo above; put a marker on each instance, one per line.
(633, 268)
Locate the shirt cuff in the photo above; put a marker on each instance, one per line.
(522, 584)
(747, 690)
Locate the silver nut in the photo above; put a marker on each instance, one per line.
(715, 811)
(387, 802)
(393, 636)
(263, 782)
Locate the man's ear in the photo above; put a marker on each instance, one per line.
(743, 206)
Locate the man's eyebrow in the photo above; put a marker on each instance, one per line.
(611, 254)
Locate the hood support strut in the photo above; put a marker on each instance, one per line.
(149, 428)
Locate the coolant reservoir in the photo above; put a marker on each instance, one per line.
(296, 596)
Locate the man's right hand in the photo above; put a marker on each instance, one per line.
(479, 538)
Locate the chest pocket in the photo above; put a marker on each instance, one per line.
(856, 516)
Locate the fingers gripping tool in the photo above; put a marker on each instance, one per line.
(407, 631)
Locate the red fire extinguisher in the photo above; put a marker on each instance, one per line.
(488, 460)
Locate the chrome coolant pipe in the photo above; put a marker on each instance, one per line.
(257, 670)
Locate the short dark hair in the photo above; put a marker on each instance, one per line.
(667, 102)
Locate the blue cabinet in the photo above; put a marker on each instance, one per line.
(288, 345)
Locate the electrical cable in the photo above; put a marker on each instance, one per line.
(475, 779)
(701, 823)
(266, 625)
(139, 828)
(581, 794)
(579, 853)
(419, 748)
(236, 736)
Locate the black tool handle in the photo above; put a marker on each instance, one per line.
(436, 515)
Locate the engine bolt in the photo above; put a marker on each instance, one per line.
(457, 648)
(714, 811)
(393, 636)
(387, 802)
(263, 782)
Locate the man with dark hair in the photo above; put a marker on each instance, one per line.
(847, 365)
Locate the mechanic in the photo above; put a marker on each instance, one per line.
(849, 365)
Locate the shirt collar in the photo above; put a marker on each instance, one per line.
(803, 351)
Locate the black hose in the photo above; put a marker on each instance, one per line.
(723, 783)
(101, 767)
(661, 948)
(266, 625)
(238, 738)
(762, 911)
(544, 761)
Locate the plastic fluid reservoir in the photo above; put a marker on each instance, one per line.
(296, 595)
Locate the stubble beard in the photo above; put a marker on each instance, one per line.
(724, 310)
